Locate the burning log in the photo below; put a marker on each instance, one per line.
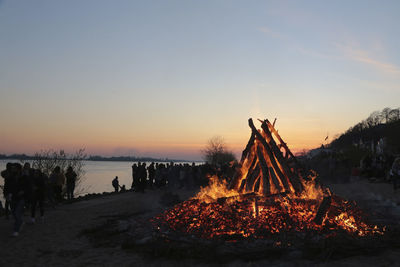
(298, 187)
(248, 147)
(323, 210)
(267, 149)
(282, 143)
(273, 174)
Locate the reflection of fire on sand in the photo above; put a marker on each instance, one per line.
(270, 194)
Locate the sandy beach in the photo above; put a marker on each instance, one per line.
(58, 241)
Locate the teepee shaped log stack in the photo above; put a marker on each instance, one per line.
(264, 168)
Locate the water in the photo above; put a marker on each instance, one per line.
(98, 176)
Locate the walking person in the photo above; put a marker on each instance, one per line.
(18, 189)
(71, 180)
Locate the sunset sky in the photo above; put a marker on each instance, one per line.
(160, 78)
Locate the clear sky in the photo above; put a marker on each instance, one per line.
(159, 78)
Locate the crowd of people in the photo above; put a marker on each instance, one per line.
(158, 175)
(27, 188)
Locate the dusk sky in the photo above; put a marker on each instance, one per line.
(160, 78)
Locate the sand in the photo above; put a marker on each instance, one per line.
(58, 240)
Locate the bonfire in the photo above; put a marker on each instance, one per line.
(270, 194)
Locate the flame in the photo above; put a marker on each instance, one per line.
(216, 189)
(312, 190)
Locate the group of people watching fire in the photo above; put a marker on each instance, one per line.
(174, 175)
(27, 188)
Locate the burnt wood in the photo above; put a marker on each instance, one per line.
(323, 210)
(294, 180)
(265, 174)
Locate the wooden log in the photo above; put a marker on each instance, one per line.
(248, 175)
(248, 147)
(266, 148)
(251, 180)
(235, 184)
(283, 144)
(289, 176)
(265, 175)
(323, 210)
(257, 184)
(274, 179)
(269, 169)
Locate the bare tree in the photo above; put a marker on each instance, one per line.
(386, 114)
(47, 160)
(394, 115)
(216, 152)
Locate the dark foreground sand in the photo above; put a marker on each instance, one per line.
(58, 241)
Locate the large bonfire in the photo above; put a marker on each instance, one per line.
(270, 194)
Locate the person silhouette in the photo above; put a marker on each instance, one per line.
(115, 184)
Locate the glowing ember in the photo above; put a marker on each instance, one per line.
(268, 196)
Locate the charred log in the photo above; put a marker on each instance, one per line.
(323, 210)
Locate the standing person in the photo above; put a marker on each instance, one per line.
(6, 174)
(395, 172)
(143, 177)
(135, 177)
(38, 194)
(151, 170)
(18, 192)
(27, 173)
(57, 178)
(115, 184)
(71, 180)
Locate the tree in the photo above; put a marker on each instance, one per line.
(217, 153)
(47, 160)
(386, 114)
(394, 115)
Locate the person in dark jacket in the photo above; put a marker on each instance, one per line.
(6, 174)
(18, 190)
(135, 175)
(27, 173)
(57, 179)
(38, 194)
(70, 175)
(115, 184)
(152, 171)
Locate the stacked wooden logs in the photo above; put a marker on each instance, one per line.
(264, 168)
